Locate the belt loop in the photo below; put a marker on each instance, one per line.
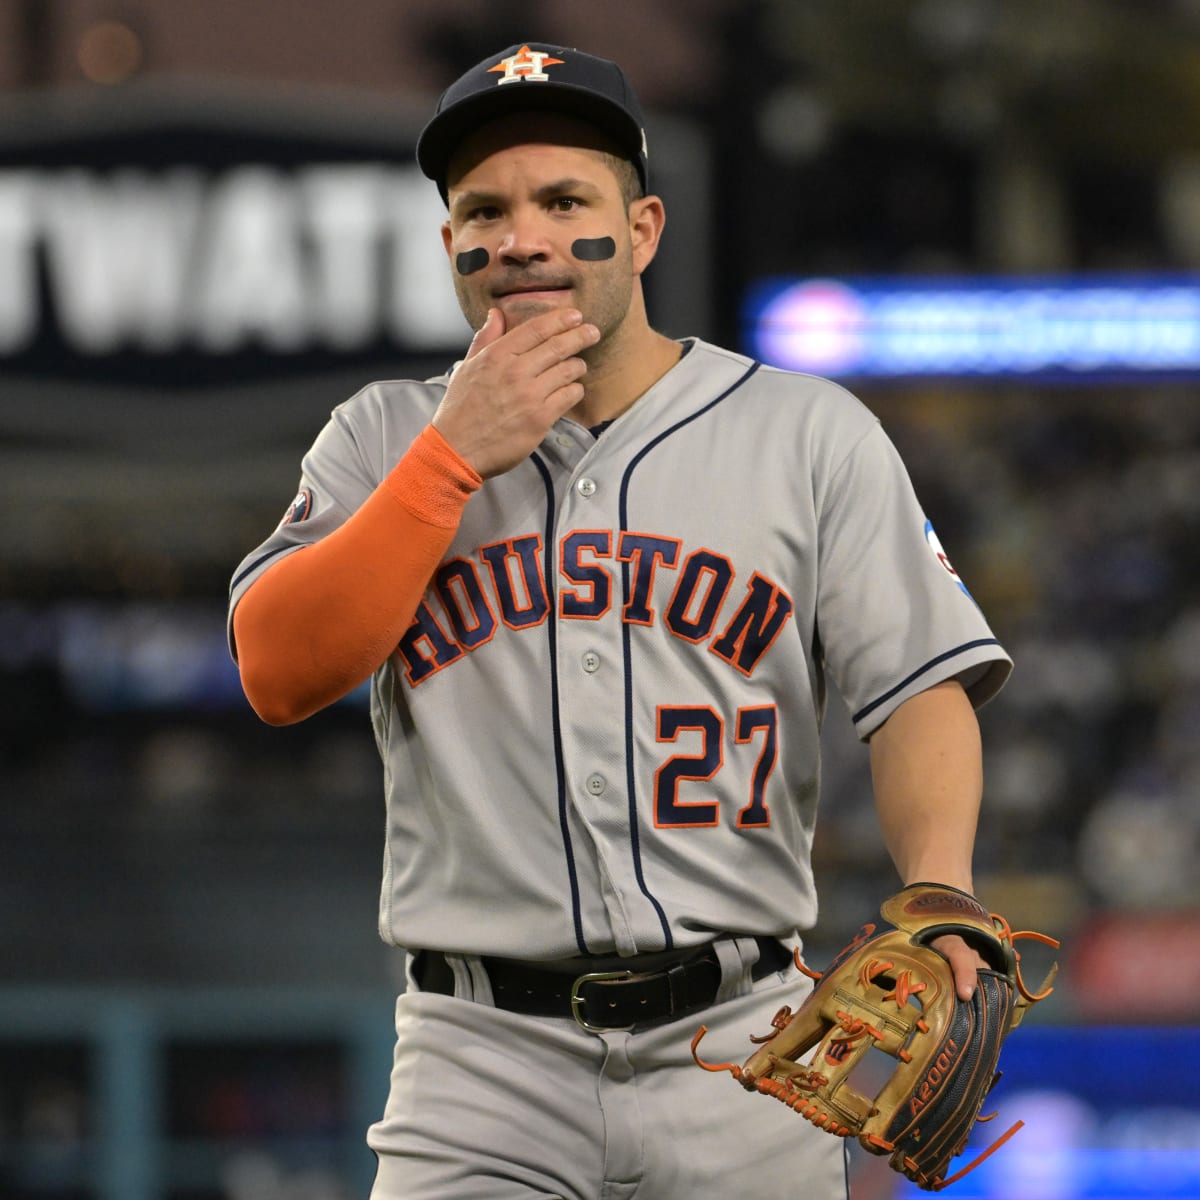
(677, 987)
(410, 970)
(471, 980)
(736, 957)
(477, 978)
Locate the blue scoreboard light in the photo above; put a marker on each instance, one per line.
(1081, 328)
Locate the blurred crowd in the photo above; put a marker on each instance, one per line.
(1072, 514)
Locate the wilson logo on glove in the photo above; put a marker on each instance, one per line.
(893, 992)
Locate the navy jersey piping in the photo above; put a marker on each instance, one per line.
(627, 654)
(559, 766)
(258, 562)
(933, 662)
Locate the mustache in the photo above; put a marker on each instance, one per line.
(530, 281)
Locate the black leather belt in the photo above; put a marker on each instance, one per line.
(619, 996)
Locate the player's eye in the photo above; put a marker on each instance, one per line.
(483, 212)
(566, 203)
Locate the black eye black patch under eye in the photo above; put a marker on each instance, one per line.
(593, 249)
(470, 261)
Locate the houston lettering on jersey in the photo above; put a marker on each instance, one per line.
(649, 576)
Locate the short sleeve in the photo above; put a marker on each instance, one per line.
(893, 616)
(336, 477)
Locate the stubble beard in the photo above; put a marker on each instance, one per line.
(605, 305)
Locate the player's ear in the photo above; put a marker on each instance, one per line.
(447, 238)
(646, 220)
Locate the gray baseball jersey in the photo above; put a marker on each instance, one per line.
(601, 731)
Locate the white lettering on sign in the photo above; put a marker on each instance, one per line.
(18, 279)
(329, 255)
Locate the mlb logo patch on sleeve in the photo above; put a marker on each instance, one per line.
(934, 543)
(300, 508)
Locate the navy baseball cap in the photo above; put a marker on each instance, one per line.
(534, 76)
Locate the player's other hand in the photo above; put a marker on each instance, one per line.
(512, 386)
(964, 961)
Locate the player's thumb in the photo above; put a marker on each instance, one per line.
(487, 333)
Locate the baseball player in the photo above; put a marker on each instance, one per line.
(597, 578)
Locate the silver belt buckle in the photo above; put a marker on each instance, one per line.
(577, 1000)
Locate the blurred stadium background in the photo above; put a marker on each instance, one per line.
(212, 231)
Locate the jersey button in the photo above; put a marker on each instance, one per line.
(591, 662)
(586, 487)
(596, 784)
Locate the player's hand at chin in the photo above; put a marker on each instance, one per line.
(513, 384)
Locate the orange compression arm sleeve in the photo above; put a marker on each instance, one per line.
(312, 627)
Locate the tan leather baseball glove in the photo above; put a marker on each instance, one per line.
(893, 992)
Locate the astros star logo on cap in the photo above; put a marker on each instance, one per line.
(526, 64)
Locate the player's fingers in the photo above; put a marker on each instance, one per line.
(966, 979)
(561, 347)
(490, 331)
(965, 963)
(542, 328)
(563, 374)
(565, 388)
(560, 401)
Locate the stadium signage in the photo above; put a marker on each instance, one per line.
(1066, 328)
(156, 237)
(248, 256)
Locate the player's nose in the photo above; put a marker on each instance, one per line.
(525, 240)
